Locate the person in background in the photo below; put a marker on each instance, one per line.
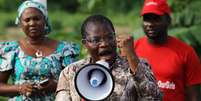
(34, 62)
(175, 64)
(134, 81)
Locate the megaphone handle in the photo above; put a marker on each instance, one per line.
(82, 99)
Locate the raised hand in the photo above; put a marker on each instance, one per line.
(125, 44)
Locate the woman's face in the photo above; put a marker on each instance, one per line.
(32, 23)
(100, 42)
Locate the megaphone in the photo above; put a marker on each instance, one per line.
(94, 82)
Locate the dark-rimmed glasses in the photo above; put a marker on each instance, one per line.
(96, 40)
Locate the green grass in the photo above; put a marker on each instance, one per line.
(3, 98)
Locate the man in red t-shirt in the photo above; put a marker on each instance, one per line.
(174, 63)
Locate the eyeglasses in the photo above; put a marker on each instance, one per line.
(97, 40)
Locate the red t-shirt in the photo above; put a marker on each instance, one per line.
(175, 66)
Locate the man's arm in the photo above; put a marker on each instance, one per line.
(193, 93)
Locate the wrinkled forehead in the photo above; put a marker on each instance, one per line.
(97, 29)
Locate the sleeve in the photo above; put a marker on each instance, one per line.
(63, 87)
(70, 53)
(145, 82)
(192, 68)
(7, 53)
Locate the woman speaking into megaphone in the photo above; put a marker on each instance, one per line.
(131, 78)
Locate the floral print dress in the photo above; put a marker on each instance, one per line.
(26, 68)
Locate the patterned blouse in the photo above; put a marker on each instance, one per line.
(128, 87)
(26, 68)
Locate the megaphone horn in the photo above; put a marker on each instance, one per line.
(94, 82)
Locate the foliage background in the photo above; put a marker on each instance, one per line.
(66, 17)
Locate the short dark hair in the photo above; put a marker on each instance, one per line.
(97, 18)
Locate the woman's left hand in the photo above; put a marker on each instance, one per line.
(50, 85)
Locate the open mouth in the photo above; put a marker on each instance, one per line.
(105, 53)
